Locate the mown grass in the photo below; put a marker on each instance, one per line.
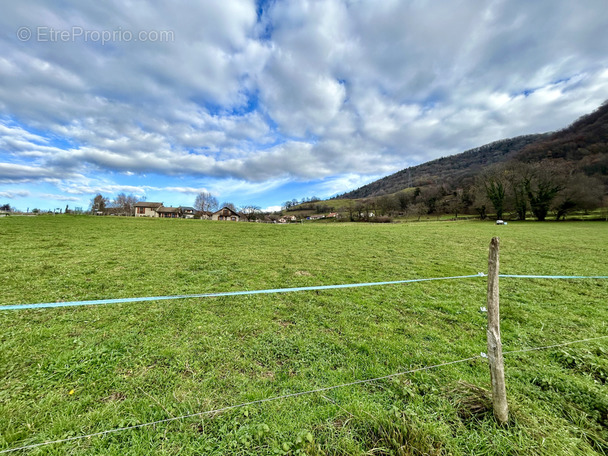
(73, 371)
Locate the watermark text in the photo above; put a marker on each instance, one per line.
(45, 34)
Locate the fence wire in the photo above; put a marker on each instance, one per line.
(284, 396)
(44, 305)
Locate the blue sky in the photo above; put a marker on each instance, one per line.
(263, 102)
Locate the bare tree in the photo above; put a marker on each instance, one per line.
(604, 208)
(252, 212)
(229, 206)
(350, 207)
(581, 193)
(205, 202)
(125, 204)
(419, 209)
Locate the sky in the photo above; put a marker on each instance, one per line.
(260, 102)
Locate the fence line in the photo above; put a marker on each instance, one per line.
(280, 290)
(524, 350)
(269, 291)
(228, 293)
(285, 396)
(526, 276)
(232, 407)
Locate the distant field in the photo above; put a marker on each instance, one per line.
(74, 371)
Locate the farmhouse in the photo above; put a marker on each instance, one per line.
(226, 213)
(168, 212)
(147, 209)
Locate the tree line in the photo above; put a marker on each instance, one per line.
(513, 190)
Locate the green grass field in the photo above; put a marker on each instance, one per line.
(73, 371)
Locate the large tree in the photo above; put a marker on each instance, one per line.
(495, 191)
(542, 188)
(518, 175)
(99, 203)
(205, 202)
(541, 196)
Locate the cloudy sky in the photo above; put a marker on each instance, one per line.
(262, 102)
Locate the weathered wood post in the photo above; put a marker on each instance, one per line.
(497, 368)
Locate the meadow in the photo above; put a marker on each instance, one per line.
(68, 372)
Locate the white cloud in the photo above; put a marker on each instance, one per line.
(13, 195)
(12, 173)
(55, 197)
(332, 90)
(272, 209)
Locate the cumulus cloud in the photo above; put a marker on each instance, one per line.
(331, 91)
(12, 173)
(58, 197)
(13, 195)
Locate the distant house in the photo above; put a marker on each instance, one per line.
(147, 209)
(168, 212)
(226, 213)
(186, 212)
(333, 215)
(288, 218)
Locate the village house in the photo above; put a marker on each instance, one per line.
(168, 212)
(147, 209)
(186, 212)
(226, 213)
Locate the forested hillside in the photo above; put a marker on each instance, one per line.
(457, 169)
(585, 141)
(552, 173)
(584, 144)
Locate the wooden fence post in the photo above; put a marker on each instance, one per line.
(497, 368)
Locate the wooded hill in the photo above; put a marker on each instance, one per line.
(540, 175)
(583, 146)
(458, 170)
